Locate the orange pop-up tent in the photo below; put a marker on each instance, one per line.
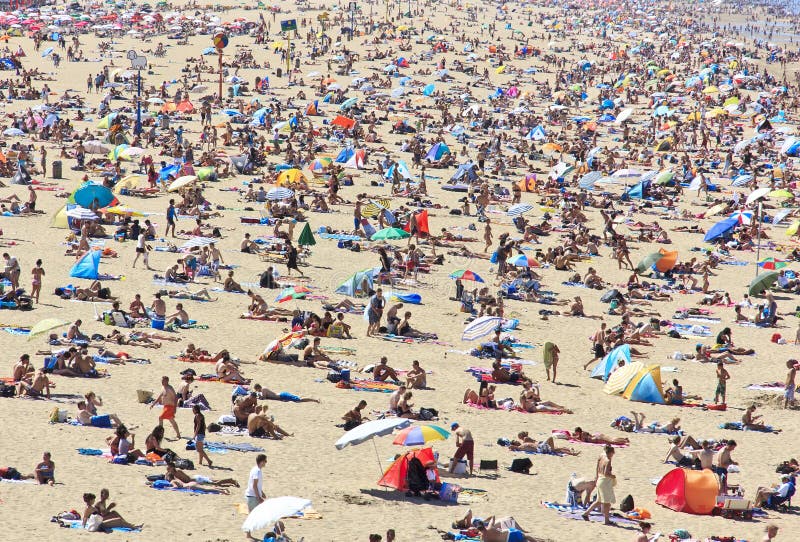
(690, 491)
(395, 475)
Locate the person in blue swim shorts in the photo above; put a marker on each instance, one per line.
(501, 535)
(268, 395)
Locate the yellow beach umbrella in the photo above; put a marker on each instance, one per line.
(131, 181)
(43, 326)
(694, 116)
(710, 90)
(717, 112)
(793, 227)
(180, 182)
(733, 100)
(124, 210)
(780, 194)
(715, 209)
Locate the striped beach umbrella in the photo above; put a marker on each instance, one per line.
(279, 192)
(480, 327)
(419, 435)
(772, 264)
(523, 260)
(519, 209)
(466, 274)
(744, 217)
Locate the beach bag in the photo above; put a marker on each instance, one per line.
(184, 464)
(627, 504)
(213, 427)
(94, 523)
(775, 337)
(155, 477)
(144, 396)
(521, 465)
(7, 391)
(428, 414)
(161, 484)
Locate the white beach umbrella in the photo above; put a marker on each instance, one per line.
(270, 511)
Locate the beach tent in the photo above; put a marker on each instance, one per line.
(668, 261)
(357, 160)
(620, 378)
(88, 266)
(538, 133)
(395, 475)
(422, 223)
(312, 108)
(466, 172)
(690, 491)
(610, 362)
(353, 285)
(645, 386)
(437, 151)
(343, 122)
(402, 169)
(60, 219)
(345, 155)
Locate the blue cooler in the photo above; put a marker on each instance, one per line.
(345, 373)
(157, 323)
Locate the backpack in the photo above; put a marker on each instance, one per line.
(521, 465)
(428, 414)
(184, 464)
(627, 504)
(7, 391)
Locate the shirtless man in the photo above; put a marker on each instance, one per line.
(136, 308)
(227, 371)
(216, 259)
(179, 318)
(531, 401)
(395, 397)
(260, 425)
(790, 385)
(174, 473)
(312, 354)
(23, 370)
(383, 372)
(465, 447)
(416, 378)
(40, 386)
(722, 461)
(501, 535)
(245, 407)
(83, 364)
(605, 486)
(247, 246)
(74, 332)
(257, 305)
(269, 395)
(168, 399)
(159, 307)
(598, 438)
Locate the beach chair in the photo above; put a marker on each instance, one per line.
(737, 508)
(489, 465)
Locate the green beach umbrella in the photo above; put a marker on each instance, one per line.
(648, 261)
(390, 234)
(306, 238)
(762, 282)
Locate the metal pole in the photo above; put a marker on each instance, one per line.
(758, 246)
(220, 74)
(288, 55)
(139, 104)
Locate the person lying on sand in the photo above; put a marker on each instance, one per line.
(269, 395)
(547, 446)
(200, 295)
(598, 438)
(502, 535)
(175, 474)
(506, 522)
(530, 401)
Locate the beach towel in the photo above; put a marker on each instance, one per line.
(739, 426)
(513, 409)
(77, 524)
(239, 447)
(564, 434)
(770, 387)
(691, 330)
(192, 490)
(16, 330)
(370, 385)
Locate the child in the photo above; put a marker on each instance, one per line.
(200, 435)
(642, 537)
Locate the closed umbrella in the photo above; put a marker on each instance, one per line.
(762, 282)
(390, 234)
(270, 511)
(419, 435)
(519, 209)
(306, 237)
(43, 326)
(480, 327)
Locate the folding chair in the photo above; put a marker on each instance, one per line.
(489, 464)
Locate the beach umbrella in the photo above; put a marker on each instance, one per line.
(519, 209)
(757, 194)
(105, 122)
(131, 181)
(47, 52)
(81, 213)
(375, 206)
(741, 180)
(86, 194)
(624, 115)
(13, 132)
(419, 435)
(793, 227)
(279, 192)
(480, 327)
(123, 210)
(772, 264)
(180, 182)
(95, 147)
(587, 181)
(742, 217)
(720, 228)
(289, 176)
(648, 261)
(523, 260)
(347, 104)
(551, 148)
(664, 177)
(780, 194)
(762, 282)
(43, 326)
(368, 430)
(716, 209)
(292, 292)
(270, 511)
(466, 274)
(390, 234)
(306, 238)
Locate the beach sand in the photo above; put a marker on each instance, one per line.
(342, 484)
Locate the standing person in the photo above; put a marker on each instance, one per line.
(788, 392)
(551, 352)
(12, 270)
(141, 250)
(255, 483)
(168, 399)
(375, 312)
(171, 216)
(36, 280)
(598, 345)
(465, 446)
(606, 481)
(487, 235)
(722, 461)
(722, 378)
(200, 435)
(216, 260)
(291, 259)
(43, 161)
(357, 217)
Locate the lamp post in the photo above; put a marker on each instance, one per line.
(353, 7)
(220, 42)
(138, 63)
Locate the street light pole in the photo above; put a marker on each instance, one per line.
(138, 129)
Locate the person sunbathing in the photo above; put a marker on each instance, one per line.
(530, 401)
(598, 438)
(501, 535)
(200, 295)
(260, 425)
(507, 522)
(186, 398)
(173, 473)
(39, 388)
(179, 318)
(771, 497)
(383, 372)
(672, 428)
(676, 454)
(483, 397)
(502, 375)
(227, 371)
(23, 370)
(244, 407)
(109, 519)
(88, 418)
(265, 394)
(547, 446)
(353, 418)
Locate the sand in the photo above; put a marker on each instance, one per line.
(341, 484)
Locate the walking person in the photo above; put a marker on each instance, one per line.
(606, 481)
(200, 436)
(171, 216)
(255, 484)
(168, 399)
(291, 259)
(375, 312)
(36, 280)
(142, 250)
